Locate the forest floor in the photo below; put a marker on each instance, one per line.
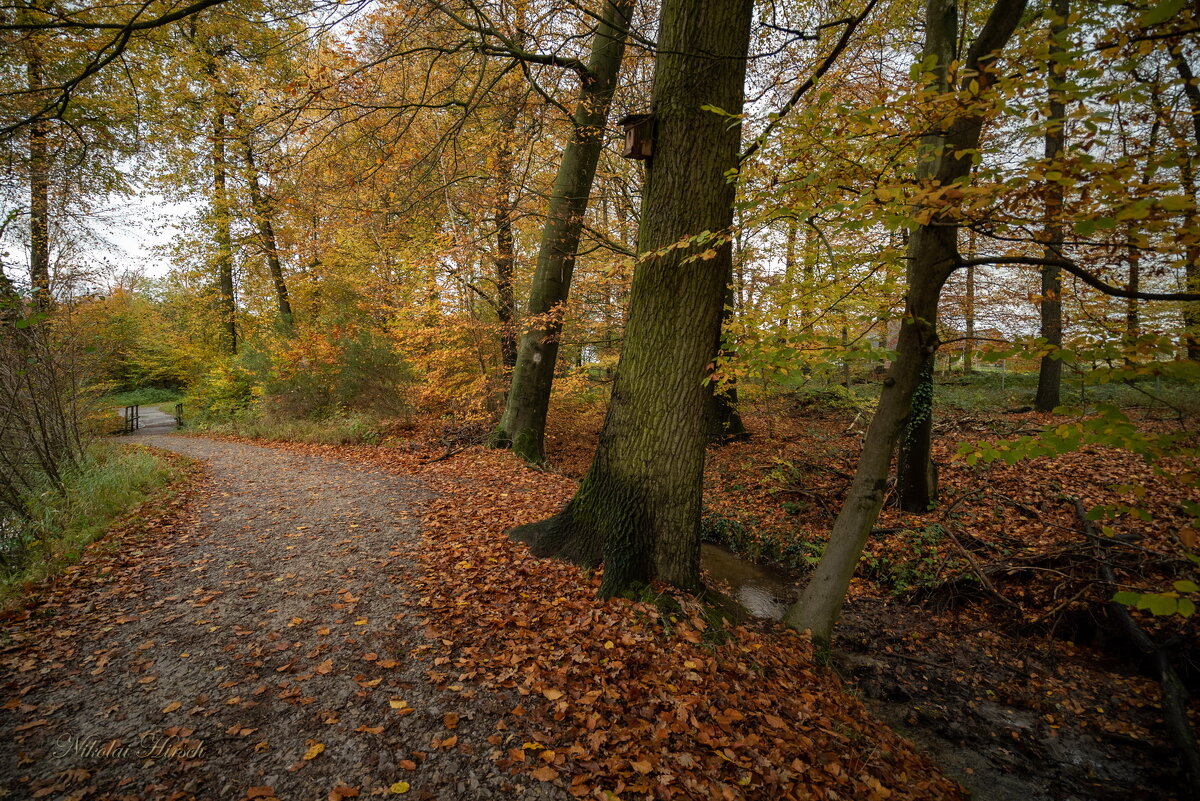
(318, 622)
(338, 620)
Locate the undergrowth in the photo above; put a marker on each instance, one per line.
(339, 428)
(143, 396)
(60, 523)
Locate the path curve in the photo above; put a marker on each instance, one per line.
(271, 627)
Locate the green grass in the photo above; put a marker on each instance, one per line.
(990, 391)
(165, 399)
(111, 480)
(346, 428)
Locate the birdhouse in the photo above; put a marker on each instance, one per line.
(639, 136)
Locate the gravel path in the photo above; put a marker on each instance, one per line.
(264, 649)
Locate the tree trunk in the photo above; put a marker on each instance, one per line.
(523, 425)
(39, 189)
(506, 253)
(725, 424)
(916, 473)
(932, 256)
(1049, 389)
(226, 304)
(1191, 311)
(1133, 327)
(266, 232)
(969, 345)
(638, 508)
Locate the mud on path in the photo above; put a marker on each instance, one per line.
(265, 647)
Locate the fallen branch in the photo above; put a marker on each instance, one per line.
(983, 579)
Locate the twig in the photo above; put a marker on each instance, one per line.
(983, 579)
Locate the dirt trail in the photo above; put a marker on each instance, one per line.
(271, 627)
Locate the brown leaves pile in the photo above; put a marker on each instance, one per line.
(623, 698)
(615, 699)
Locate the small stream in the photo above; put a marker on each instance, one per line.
(764, 591)
(962, 741)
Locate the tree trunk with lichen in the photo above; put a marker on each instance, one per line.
(638, 508)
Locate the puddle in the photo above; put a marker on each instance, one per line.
(765, 592)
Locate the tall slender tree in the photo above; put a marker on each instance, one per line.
(523, 424)
(1049, 389)
(932, 257)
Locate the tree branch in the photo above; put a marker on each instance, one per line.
(1080, 273)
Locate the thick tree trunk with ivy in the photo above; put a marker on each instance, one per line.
(1049, 389)
(638, 508)
(932, 257)
(523, 424)
(266, 232)
(916, 472)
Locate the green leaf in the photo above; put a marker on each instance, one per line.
(1186, 607)
(1162, 606)
(1186, 586)
(1128, 598)
(1160, 13)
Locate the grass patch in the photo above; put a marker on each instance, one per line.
(111, 480)
(342, 428)
(145, 396)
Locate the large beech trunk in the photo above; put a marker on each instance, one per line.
(932, 257)
(523, 424)
(638, 507)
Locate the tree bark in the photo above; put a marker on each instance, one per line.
(523, 424)
(969, 345)
(223, 236)
(1133, 326)
(39, 188)
(932, 256)
(638, 507)
(1191, 311)
(1049, 389)
(506, 253)
(916, 473)
(266, 232)
(725, 424)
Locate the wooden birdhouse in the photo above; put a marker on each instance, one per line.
(639, 136)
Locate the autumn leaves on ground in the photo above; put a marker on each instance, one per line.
(311, 622)
(287, 634)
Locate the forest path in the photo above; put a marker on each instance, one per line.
(263, 647)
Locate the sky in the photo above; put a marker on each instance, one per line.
(135, 228)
